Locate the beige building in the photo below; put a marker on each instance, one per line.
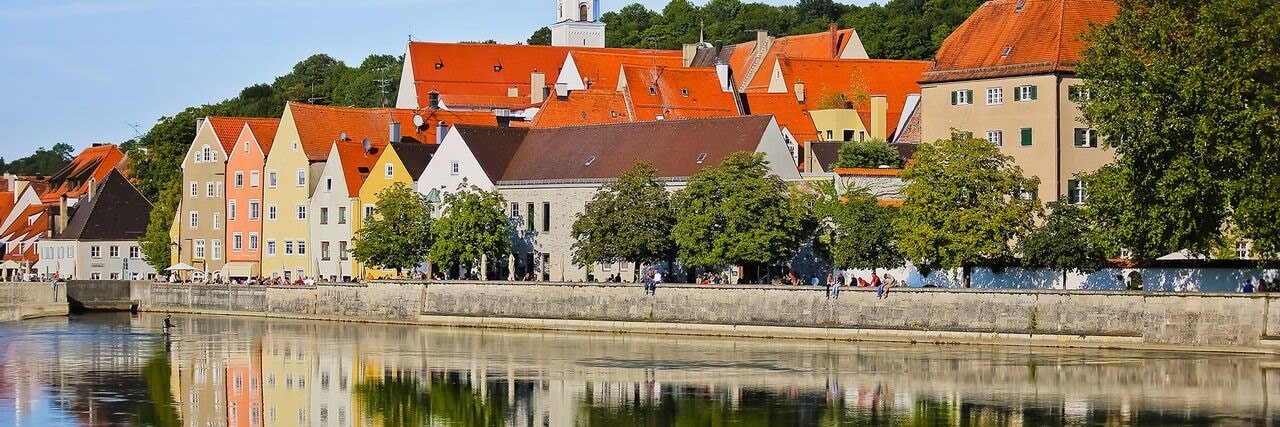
(1007, 76)
(199, 230)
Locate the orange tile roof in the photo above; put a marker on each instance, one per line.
(7, 202)
(73, 179)
(583, 107)
(357, 164)
(788, 112)
(319, 126)
(485, 101)
(599, 68)
(264, 131)
(677, 93)
(19, 229)
(227, 129)
(487, 69)
(893, 78)
(823, 45)
(1042, 37)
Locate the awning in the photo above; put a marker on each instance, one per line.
(240, 270)
(10, 264)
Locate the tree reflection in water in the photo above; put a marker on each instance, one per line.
(403, 400)
(161, 410)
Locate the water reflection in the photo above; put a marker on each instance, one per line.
(111, 369)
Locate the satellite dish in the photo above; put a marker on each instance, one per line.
(366, 145)
(342, 136)
(418, 120)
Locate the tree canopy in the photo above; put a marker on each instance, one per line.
(868, 154)
(1064, 241)
(45, 161)
(965, 204)
(472, 225)
(155, 243)
(856, 229)
(1187, 94)
(628, 220)
(398, 235)
(737, 213)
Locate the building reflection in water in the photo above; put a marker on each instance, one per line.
(225, 371)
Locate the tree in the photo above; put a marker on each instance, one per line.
(857, 230)
(965, 204)
(868, 154)
(398, 235)
(373, 84)
(541, 37)
(472, 226)
(737, 213)
(628, 220)
(1187, 95)
(156, 244)
(44, 161)
(1065, 241)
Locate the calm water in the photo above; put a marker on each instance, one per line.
(114, 369)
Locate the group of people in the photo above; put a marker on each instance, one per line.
(834, 283)
(651, 280)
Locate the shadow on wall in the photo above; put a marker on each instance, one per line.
(1153, 279)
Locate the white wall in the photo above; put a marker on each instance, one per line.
(439, 174)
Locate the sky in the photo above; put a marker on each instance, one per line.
(86, 71)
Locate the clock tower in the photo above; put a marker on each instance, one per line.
(578, 24)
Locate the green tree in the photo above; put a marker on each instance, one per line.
(473, 226)
(373, 84)
(156, 245)
(868, 154)
(1187, 95)
(856, 229)
(964, 205)
(628, 220)
(626, 25)
(44, 161)
(398, 235)
(737, 213)
(541, 37)
(1065, 241)
(156, 161)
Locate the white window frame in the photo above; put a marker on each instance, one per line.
(113, 251)
(389, 170)
(255, 210)
(995, 96)
(288, 247)
(231, 210)
(302, 248)
(237, 241)
(302, 177)
(209, 190)
(195, 189)
(217, 249)
(272, 212)
(962, 97)
(255, 179)
(217, 220)
(253, 242)
(95, 251)
(239, 179)
(995, 137)
(193, 219)
(1024, 93)
(135, 252)
(302, 212)
(273, 179)
(271, 246)
(1242, 250)
(197, 249)
(455, 168)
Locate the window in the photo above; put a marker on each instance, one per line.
(255, 179)
(1242, 249)
(271, 245)
(995, 96)
(194, 219)
(1077, 192)
(95, 251)
(1086, 138)
(453, 168)
(389, 170)
(135, 252)
(255, 210)
(302, 177)
(208, 190)
(302, 212)
(1026, 137)
(1078, 93)
(302, 249)
(207, 153)
(324, 216)
(342, 214)
(113, 251)
(115, 276)
(272, 179)
(546, 216)
(246, 146)
(217, 249)
(342, 250)
(961, 97)
(231, 210)
(1024, 93)
(328, 185)
(253, 242)
(368, 213)
(831, 136)
(288, 247)
(271, 212)
(198, 251)
(529, 219)
(324, 256)
(217, 221)
(195, 189)
(237, 242)
(995, 137)
(95, 276)
(239, 179)
(515, 210)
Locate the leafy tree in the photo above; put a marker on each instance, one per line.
(628, 220)
(1066, 241)
(377, 79)
(399, 233)
(44, 161)
(155, 244)
(868, 154)
(737, 213)
(1187, 95)
(857, 230)
(964, 205)
(542, 37)
(626, 25)
(473, 225)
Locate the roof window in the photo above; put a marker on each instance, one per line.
(613, 114)
(590, 160)
(702, 157)
(1005, 53)
(684, 92)
(1021, 4)
(653, 90)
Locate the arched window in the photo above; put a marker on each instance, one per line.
(206, 153)
(582, 12)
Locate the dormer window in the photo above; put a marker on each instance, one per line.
(653, 90)
(1005, 53)
(684, 92)
(702, 158)
(590, 160)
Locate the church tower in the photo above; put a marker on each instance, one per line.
(577, 24)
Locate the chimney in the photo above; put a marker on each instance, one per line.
(433, 100)
(199, 124)
(513, 91)
(394, 131)
(62, 215)
(879, 108)
(835, 42)
(722, 72)
(441, 130)
(92, 191)
(799, 89)
(762, 37)
(537, 87)
(688, 52)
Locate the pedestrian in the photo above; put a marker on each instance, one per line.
(835, 287)
(1248, 287)
(882, 291)
(168, 323)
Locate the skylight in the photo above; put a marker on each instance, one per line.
(590, 160)
(1006, 51)
(702, 158)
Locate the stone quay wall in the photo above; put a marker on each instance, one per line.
(1199, 321)
(20, 301)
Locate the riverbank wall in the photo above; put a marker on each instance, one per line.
(1175, 321)
(19, 301)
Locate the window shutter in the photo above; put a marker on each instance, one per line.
(1093, 139)
(954, 94)
(1079, 137)
(969, 96)
(1026, 136)
(1033, 93)
(1017, 95)
(1073, 187)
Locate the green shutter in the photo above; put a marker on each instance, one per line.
(970, 97)
(1026, 137)
(954, 94)
(1079, 137)
(1093, 139)
(1073, 93)
(1033, 93)
(1072, 187)
(1017, 95)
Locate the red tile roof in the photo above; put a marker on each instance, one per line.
(488, 102)
(73, 180)
(1042, 37)
(677, 93)
(788, 112)
(357, 164)
(320, 126)
(599, 68)
(264, 131)
(893, 78)
(583, 107)
(227, 129)
(823, 45)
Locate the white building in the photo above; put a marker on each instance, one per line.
(100, 241)
(578, 24)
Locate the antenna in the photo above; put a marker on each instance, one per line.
(383, 84)
(135, 127)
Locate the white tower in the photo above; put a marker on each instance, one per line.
(577, 24)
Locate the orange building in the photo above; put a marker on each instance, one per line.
(244, 183)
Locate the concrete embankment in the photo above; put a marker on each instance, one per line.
(1181, 321)
(20, 301)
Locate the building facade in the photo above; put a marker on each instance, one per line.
(101, 240)
(202, 209)
(244, 202)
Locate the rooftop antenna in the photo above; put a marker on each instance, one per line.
(135, 127)
(383, 83)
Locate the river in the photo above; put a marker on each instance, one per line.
(120, 369)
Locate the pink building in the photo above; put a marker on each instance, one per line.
(244, 183)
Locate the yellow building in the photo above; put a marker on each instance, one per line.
(400, 162)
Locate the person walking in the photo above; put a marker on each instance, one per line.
(168, 323)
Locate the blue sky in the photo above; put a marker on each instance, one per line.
(82, 71)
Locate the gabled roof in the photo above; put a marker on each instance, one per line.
(785, 108)
(320, 126)
(415, 156)
(599, 68)
(823, 45)
(1043, 36)
(893, 78)
(227, 129)
(912, 132)
(19, 229)
(677, 93)
(826, 153)
(118, 211)
(73, 180)
(582, 107)
(356, 163)
(264, 131)
(600, 152)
